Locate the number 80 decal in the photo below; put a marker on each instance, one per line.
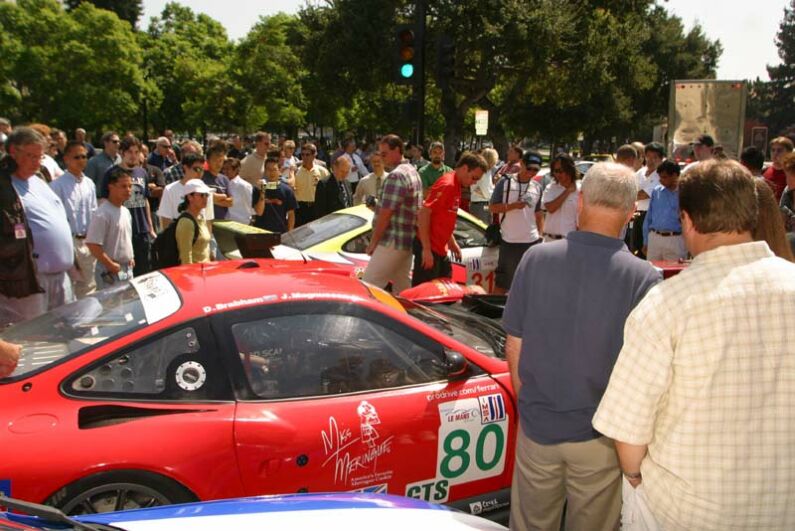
(472, 439)
(456, 461)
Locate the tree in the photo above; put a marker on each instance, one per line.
(781, 109)
(49, 62)
(269, 73)
(129, 10)
(676, 55)
(347, 47)
(183, 52)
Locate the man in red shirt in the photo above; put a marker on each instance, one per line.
(774, 175)
(437, 218)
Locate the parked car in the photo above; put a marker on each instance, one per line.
(253, 377)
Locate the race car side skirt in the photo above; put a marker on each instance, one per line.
(494, 505)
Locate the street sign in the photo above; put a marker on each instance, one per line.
(481, 123)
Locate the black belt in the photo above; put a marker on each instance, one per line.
(554, 236)
(666, 233)
(307, 203)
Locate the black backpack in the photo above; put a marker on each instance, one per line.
(164, 249)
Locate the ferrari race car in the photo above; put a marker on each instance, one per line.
(353, 512)
(253, 377)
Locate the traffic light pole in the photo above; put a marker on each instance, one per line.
(420, 86)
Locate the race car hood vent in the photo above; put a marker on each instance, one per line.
(108, 415)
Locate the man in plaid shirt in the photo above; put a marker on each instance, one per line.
(701, 402)
(391, 244)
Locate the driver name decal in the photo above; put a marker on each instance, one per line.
(221, 306)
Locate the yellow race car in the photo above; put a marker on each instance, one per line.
(343, 236)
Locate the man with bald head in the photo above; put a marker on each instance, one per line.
(564, 334)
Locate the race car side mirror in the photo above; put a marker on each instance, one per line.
(456, 364)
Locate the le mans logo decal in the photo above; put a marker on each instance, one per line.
(492, 408)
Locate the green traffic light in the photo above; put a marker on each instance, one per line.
(407, 70)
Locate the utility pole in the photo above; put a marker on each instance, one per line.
(420, 86)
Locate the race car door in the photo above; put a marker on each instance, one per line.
(339, 397)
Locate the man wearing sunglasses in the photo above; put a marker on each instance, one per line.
(109, 156)
(163, 155)
(79, 197)
(192, 168)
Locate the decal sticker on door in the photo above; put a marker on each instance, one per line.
(472, 438)
(353, 452)
(473, 434)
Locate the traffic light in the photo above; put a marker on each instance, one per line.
(445, 61)
(409, 50)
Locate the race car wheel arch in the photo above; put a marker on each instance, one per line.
(117, 490)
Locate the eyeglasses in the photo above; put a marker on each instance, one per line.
(116, 141)
(198, 169)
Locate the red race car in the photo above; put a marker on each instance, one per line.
(255, 377)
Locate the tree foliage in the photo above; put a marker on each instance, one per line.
(51, 73)
(186, 56)
(129, 10)
(779, 98)
(543, 68)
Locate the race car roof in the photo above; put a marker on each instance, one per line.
(218, 286)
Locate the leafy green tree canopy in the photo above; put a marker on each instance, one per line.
(129, 10)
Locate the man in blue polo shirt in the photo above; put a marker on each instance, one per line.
(662, 229)
(565, 318)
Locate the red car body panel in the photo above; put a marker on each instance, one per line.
(218, 449)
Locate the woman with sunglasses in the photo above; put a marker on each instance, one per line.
(193, 237)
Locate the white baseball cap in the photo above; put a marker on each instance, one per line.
(197, 186)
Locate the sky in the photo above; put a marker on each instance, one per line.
(746, 28)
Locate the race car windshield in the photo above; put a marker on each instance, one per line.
(104, 315)
(475, 331)
(321, 230)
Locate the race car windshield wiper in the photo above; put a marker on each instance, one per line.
(50, 515)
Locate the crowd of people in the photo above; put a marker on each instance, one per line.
(683, 388)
